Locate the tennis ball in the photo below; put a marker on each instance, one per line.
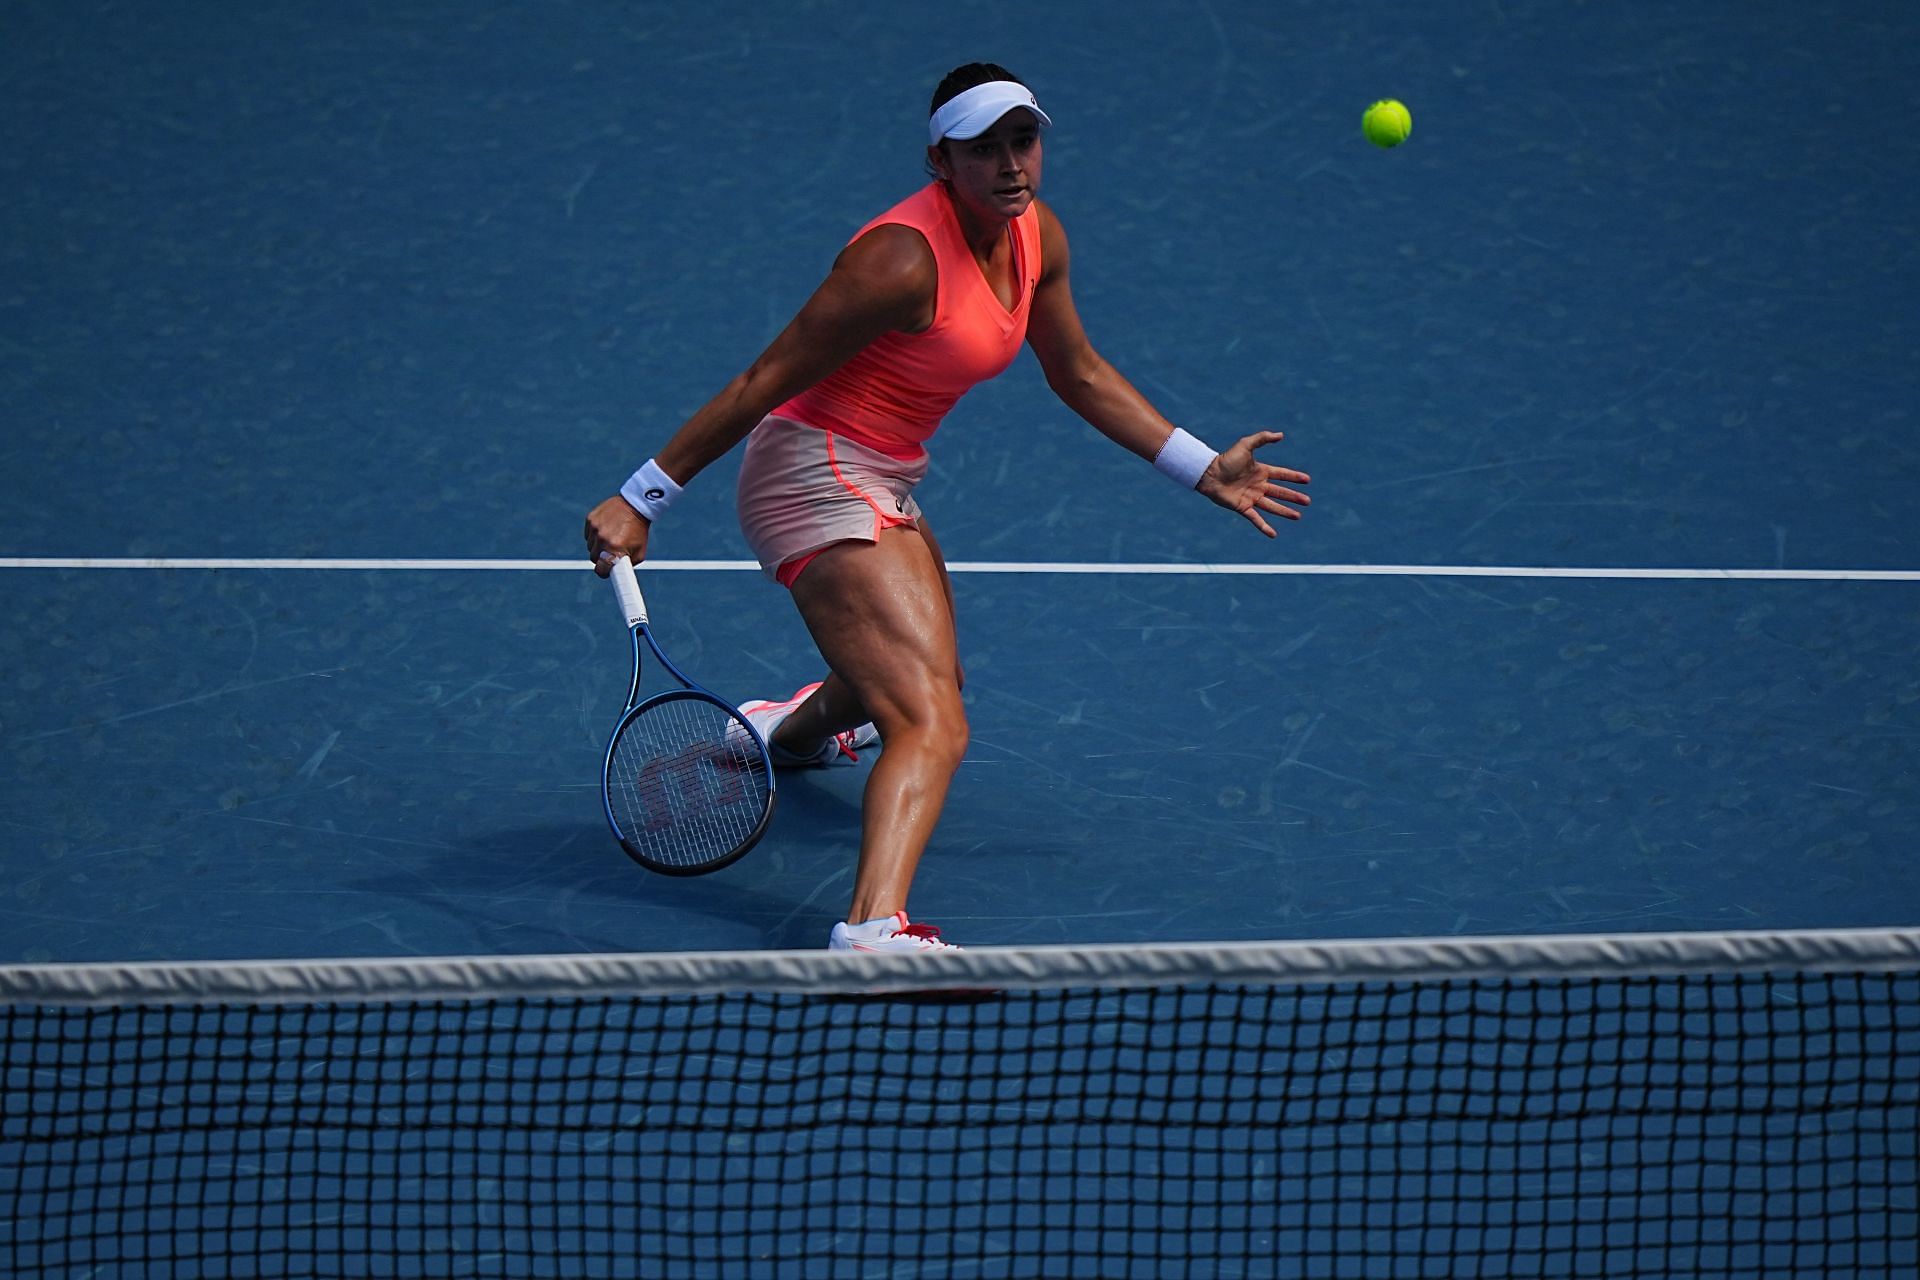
(1387, 123)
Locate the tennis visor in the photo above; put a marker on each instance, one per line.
(970, 114)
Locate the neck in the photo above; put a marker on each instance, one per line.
(982, 231)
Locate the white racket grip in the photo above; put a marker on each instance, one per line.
(627, 588)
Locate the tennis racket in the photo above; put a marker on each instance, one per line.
(687, 781)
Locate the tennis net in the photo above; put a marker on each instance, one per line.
(1634, 1105)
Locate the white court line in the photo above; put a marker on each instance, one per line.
(1010, 566)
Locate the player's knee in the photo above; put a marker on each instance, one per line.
(935, 721)
(955, 733)
(945, 723)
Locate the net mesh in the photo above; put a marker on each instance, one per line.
(1740, 1124)
(685, 786)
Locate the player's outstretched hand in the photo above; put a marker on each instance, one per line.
(1241, 482)
(615, 529)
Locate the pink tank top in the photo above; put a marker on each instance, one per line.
(894, 392)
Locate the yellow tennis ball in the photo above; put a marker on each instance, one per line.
(1387, 123)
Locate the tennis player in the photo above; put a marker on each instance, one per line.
(930, 298)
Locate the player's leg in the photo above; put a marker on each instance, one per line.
(882, 616)
(833, 707)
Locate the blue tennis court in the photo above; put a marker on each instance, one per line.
(425, 283)
(322, 327)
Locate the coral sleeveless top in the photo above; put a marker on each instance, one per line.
(894, 392)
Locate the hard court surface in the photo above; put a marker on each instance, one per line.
(425, 281)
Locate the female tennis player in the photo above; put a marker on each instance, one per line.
(927, 300)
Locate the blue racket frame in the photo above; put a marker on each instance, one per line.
(633, 607)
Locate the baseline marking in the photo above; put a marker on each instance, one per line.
(1000, 566)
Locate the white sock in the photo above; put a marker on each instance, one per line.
(875, 930)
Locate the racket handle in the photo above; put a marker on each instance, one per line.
(627, 588)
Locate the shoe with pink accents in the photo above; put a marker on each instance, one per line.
(888, 933)
(767, 716)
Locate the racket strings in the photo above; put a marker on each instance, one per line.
(686, 784)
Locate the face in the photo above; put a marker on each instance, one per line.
(997, 173)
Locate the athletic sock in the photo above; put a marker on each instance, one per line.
(876, 930)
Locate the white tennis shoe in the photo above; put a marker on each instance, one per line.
(766, 716)
(891, 933)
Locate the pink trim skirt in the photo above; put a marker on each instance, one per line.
(803, 489)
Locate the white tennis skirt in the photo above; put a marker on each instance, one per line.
(803, 489)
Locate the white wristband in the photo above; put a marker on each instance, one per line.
(1183, 459)
(650, 491)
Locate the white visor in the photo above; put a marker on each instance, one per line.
(970, 114)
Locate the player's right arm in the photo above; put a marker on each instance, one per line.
(885, 280)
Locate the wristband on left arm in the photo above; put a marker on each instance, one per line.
(1184, 459)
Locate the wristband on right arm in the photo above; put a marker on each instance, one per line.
(650, 491)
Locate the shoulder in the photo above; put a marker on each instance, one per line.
(891, 257)
(1053, 237)
(887, 278)
(1049, 220)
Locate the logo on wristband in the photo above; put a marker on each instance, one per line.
(654, 495)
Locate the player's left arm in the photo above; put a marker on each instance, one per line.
(1078, 374)
(1099, 393)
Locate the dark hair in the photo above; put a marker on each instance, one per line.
(971, 76)
(957, 82)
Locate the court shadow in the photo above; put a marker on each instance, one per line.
(567, 887)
